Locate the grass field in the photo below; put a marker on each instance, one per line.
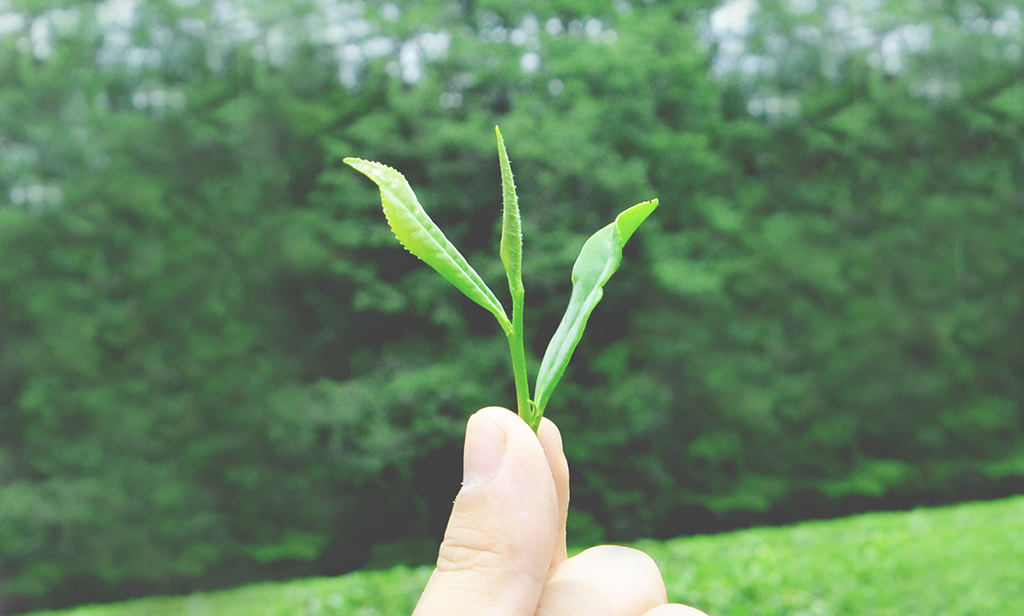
(964, 560)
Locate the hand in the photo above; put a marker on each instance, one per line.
(504, 552)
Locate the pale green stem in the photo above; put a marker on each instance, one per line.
(516, 346)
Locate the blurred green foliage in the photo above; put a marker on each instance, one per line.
(217, 365)
(949, 560)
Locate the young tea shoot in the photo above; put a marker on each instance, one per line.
(598, 260)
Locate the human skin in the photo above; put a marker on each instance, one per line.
(504, 551)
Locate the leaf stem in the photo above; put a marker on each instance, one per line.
(517, 348)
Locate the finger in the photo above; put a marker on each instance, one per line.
(500, 538)
(674, 609)
(603, 581)
(551, 440)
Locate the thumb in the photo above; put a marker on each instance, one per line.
(504, 525)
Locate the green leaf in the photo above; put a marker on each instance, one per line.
(598, 260)
(422, 237)
(511, 230)
(512, 258)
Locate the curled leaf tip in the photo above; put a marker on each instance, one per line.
(628, 221)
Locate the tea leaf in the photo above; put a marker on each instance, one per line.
(420, 236)
(511, 248)
(598, 260)
(512, 258)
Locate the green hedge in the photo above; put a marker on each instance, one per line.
(217, 365)
(911, 563)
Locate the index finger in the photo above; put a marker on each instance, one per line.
(551, 442)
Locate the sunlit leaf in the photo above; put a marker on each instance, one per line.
(423, 238)
(598, 260)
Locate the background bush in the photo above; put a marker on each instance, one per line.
(217, 365)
